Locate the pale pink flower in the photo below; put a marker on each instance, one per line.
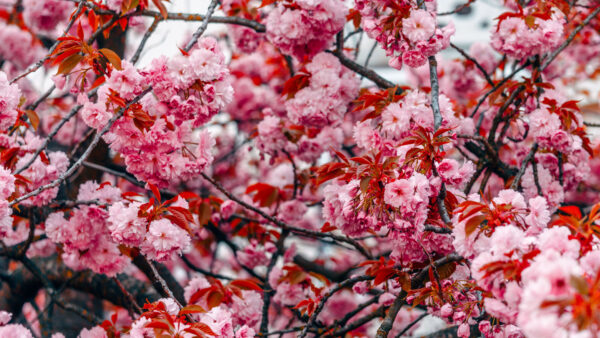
(9, 101)
(5, 317)
(419, 26)
(164, 239)
(399, 193)
(19, 331)
(124, 224)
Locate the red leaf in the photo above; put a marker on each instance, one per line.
(246, 284)
(192, 309)
(155, 191)
(327, 227)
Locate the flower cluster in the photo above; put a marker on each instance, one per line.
(158, 239)
(84, 236)
(10, 96)
(156, 137)
(19, 47)
(522, 37)
(304, 28)
(46, 17)
(408, 34)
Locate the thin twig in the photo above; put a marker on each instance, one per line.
(40, 63)
(477, 64)
(85, 155)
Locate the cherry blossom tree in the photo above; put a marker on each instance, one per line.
(258, 180)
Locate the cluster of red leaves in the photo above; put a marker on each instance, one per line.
(487, 216)
(166, 325)
(583, 228)
(296, 83)
(373, 171)
(374, 102)
(141, 119)
(155, 209)
(217, 293)
(427, 148)
(383, 270)
(293, 274)
(511, 269)
(73, 50)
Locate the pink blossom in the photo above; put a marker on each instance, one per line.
(91, 190)
(9, 101)
(414, 58)
(5, 317)
(46, 16)
(16, 330)
(539, 215)
(399, 193)
(125, 225)
(18, 46)
(557, 239)
(396, 120)
(94, 332)
(7, 183)
(219, 321)
(324, 101)
(515, 38)
(292, 211)
(247, 310)
(307, 30)
(464, 330)
(420, 25)
(252, 255)
(164, 239)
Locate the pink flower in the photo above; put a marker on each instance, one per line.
(125, 225)
(446, 310)
(95, 115)
(464, 331)
(228, 208)
(419, 26)
(452, 173)
(9, 101)
(398, 193)
(5, 317)
(94, 332)
(219, 321)
(18, 47)
(325, 100)
(90, 191)
(245, 332)
(307, 29)
(270, 138)
(19, 331)
(539, 215)
(252, 255)
(247, 310)
(115, 5)
(558, 239)
(46, 17)
(414, 58)
(7, 183)
(292, 211)
(395, 120)
(164, 239)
